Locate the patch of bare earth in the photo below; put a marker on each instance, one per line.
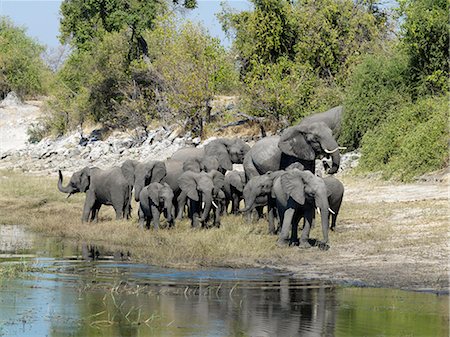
(388, 235)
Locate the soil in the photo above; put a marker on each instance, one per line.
(388, 234)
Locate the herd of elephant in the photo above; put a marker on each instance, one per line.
(279, 176)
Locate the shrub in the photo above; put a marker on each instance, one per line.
(375, 90)
(410, 142)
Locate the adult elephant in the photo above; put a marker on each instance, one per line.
(227, 151)
(203, 191)
(332, 118)
(300, 143)
(140, 174)
(297, 194)
(102, 187)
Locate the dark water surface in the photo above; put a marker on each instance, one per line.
(73, 294)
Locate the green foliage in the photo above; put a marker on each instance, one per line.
(425, 38)
(410, 142)
(375, 90)
(21, 68)
(293, 52)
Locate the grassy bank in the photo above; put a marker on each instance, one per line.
(399, 244)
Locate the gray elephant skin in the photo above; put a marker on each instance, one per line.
(203, 190)
(258, 193)
(155, 199)
(102, 187)
(300, 143)
(140, 174)
(332, 118)
(297, 194)
(233, 189)
(227, 151)
(335, 192)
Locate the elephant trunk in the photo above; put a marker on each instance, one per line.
(331, 148)
(208, 204)
(324, 210)
(249, 200)
(61, 188)
(168, 206)
(138, 186)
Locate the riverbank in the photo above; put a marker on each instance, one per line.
(387, 235)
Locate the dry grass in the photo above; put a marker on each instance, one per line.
(400, 244)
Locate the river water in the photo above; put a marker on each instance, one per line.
(82, 290)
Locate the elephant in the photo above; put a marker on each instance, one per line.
(206, 163)
(174, 169)
(202, 188)
(258, 193)
(297, 193)
(300, 143)
(140, 174)
(154, 199)
(102, 187)
(335, 191)
(227, 151)
(233, 189)
(332, 118)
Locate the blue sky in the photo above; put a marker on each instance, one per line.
(41, 18)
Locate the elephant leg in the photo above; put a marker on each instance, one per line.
(260, 212)
(142, 218)
(271, 216)
(283, 238)
(333, 221)
(294, 232)
(194, 213)
(88, 206)
(181, 202)
(235, 204)
(308, 216)
(155, 217)
(94, 212)
(217, 217)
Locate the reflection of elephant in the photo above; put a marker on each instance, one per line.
(233, 188)
(297, 193)
(332, 118)
(202, 188)
(139, 174)
(301, 143)
(227, 151)
(335, 191)
(154, 199)
(102, 187)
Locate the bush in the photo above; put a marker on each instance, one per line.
(375, 90)
(21, 67)
(411, 142)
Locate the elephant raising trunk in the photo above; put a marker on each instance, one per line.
(65, 189)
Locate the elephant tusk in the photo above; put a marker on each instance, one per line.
(342, 148)
(331, 151)
(203, 204)
(331, 211)
(318, 210)
(68, 196)
(214, 204)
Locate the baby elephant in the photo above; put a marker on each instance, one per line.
(335, 190)
(154, 199)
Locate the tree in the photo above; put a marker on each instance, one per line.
(425, 38)
(21, 68)
(83, 22)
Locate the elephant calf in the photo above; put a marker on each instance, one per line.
(102, 187)
(335, 190)
(154, 199)
(233, 188)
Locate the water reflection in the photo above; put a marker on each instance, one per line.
(85, 290)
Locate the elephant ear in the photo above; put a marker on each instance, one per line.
(210, 163)
(218, 148)
(217, 178)
(188, 184)
(191, 165)
(128, 167)
(237, 182)
(293, 143)
(153, 192)
(158, 171)
(85, 179)
(293, 186)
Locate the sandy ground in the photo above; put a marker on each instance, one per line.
(14, 122)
